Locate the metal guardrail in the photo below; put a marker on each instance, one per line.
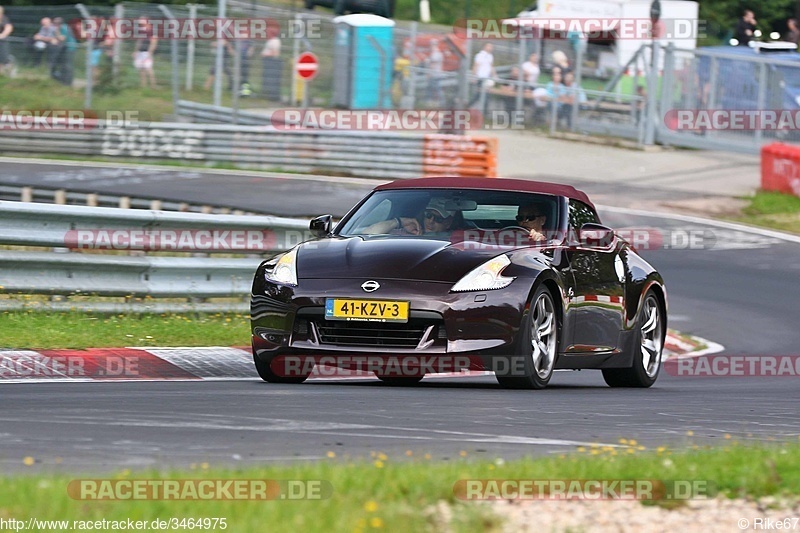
(92, 229)
(356, 153)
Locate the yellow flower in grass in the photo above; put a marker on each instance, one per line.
(409, 453)
(690, 433)
(378, 464)
(331, 455)
(382, 457)
(28, 461)
(623, 441)
(370, 506)
(376, 522)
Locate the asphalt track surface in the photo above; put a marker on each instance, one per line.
(741, 291)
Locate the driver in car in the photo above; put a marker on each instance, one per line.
(532, 218)
(435, 220)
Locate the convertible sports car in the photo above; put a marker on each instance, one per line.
(514, 276)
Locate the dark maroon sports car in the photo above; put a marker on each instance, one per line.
(517, 277)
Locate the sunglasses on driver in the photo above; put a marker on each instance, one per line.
(430, 215)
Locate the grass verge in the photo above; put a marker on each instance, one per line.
(773, 210)
(404, 493)
(33, 329)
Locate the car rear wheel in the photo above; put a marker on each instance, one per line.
(266, 373)
(647, 356)
(399, 381)
(532, 364)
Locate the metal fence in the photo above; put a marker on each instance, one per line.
(108, 252)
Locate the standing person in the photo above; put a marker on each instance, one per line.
(63, 67)
(531, 70)
(561, 61)
(5, 30)
(483, 69)
(793, 34)
(227, 54)
(435, 64)
(145, 50)
(46, 43)
(272, 67)
(745, 29)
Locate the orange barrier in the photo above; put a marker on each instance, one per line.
(780, 168)
(467, 156)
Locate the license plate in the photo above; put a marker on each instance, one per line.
(377, 310)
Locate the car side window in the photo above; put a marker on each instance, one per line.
(580, 214)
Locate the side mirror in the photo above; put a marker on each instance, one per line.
(321, 226)
(596, 236)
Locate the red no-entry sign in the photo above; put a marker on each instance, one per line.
(307, 66)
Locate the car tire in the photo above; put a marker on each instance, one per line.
(648, 348)
(536, 348)
(265, 372)
(399, 381)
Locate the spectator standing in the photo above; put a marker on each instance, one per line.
(531, 70)
(63, 65)
(46, 43)
(561, 61)
(793, 34)
(5, 30)
(145, 50)
(435, 64)
(272, 67)
(572, 96)
(745, 29)
(483, 69)
(227, 53)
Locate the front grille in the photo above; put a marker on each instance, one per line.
(383, 334)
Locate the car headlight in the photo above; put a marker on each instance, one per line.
(285, 271)
(486, 277)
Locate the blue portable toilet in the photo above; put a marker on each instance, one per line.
(363, 61)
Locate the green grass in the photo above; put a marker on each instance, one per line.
(401, 493)
(773, 210)
(76, 330)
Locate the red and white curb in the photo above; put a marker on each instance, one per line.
(192, 364)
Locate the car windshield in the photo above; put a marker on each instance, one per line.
(437, 213)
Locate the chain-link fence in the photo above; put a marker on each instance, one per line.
(537, 81)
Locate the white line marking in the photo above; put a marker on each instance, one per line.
(788, 237)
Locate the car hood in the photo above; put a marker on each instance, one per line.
(390, 258)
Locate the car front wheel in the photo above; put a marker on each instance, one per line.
(532, 364)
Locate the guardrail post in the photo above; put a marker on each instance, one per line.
(26, 194)
(60, 197)
(91, 199)
(155, 205)
(125, 202)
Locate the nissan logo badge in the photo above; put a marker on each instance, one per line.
(370, 286)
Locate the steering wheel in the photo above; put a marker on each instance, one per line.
(520, 228)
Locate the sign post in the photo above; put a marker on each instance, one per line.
(306, 69)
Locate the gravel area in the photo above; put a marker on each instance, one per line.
(625, 516)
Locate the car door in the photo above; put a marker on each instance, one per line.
(596, 299)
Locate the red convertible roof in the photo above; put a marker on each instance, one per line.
(493, 184)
